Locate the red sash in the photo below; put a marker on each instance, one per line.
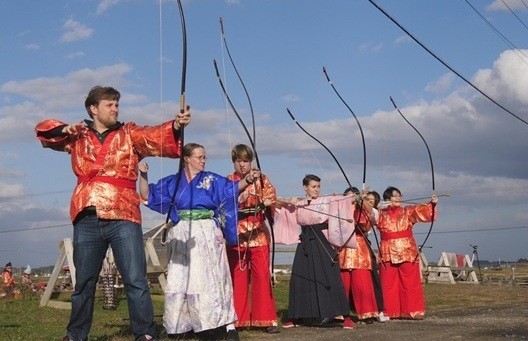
(396, 235)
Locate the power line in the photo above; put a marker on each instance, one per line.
(477, 230)
(35, 228)
(524, 4)
(445, 64)
(515, 15)
(436, 232)
(40, 228)
(499, 33)
(22, 196)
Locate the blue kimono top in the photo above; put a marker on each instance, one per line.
(207, 191)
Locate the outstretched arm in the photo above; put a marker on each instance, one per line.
(58, 135)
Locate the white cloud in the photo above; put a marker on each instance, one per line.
(74, 31)
(59, 93)
(105, 4)
(291, 98)
(52, 97)
(370, 47)
(403, 39)
(502, 5)
(441, 85)
(507, 80)
(6, 173)
(32, 47)
(9, 190)
(75, 55)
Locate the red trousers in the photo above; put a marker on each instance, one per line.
(252, 290)
(403, 295)
(359, 288)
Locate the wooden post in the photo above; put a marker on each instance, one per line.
(150, 253)
(66, 252)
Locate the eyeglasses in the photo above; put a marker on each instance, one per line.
(200, 157)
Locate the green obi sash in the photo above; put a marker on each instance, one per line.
(195, 214)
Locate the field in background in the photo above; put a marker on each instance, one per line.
(23, 319)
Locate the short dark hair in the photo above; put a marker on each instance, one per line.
(310, 177)
(353, 189)
(98, 93)
(388, 192)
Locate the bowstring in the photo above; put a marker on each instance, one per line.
(230, 142)
(323, 172)
(161, 85)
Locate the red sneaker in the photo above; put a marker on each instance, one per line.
(348, 324)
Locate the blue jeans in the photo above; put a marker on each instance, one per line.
(91, 238)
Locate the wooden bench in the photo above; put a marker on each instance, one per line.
(155, 272)
(452, 268)
(521, 281)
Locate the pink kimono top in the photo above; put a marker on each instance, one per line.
(337, 210)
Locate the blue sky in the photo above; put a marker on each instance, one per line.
(280, 46)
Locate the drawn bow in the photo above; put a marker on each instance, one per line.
(344, 175)
(364, 151)
(252, 138)
(182, 110)
(432, 176)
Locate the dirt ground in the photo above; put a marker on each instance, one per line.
(508, 322)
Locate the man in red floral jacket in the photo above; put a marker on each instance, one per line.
(105, 207)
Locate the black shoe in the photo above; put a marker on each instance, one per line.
(325, 323)
(369, 321)
(232, 335)
(273, 330)
(67, 338)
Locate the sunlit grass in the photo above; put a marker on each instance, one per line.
(23, 319)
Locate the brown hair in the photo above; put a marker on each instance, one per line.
(377, 198)
(189, 147)
(242, 152)
(98, 93)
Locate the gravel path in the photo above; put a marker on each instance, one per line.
(498, 323)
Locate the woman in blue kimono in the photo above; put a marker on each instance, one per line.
(199, 293)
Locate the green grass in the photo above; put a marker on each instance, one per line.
(23, 319)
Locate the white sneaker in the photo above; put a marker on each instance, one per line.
(382, 318)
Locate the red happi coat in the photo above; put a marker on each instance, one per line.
(395, 224)
(252, 231)
(358, 258)
(403, 295)
(249, 261)
(113, 188)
